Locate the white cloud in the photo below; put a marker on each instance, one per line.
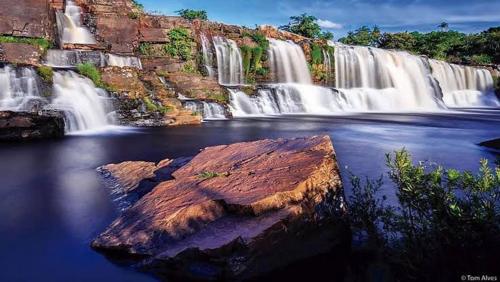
(329, 24)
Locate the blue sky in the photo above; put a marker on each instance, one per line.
(340, 16)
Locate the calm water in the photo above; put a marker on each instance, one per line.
(53, 203)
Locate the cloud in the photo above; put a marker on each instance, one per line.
(329, 24)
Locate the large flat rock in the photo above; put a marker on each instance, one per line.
(232, 207)
(19, 126)
(29, 18)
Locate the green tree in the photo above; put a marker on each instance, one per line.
(363, 36)
(399, 41)
(304, 25)
(190, 14)
(444, 26)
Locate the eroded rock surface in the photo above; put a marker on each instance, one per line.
(22, 54)
(16, 126)
(236, 211)
(29, 18)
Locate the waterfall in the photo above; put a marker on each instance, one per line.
(209, 110)
(464, 86)
(19, 90)
(70, 26)
(407, 77)
(83, 104)
(71, 58)
(229, 62)
(123, 61)
(208, 55)
(327, 61)
(288, 62)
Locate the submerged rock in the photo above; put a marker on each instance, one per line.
(492, 144)
(236, 212)
(16, 126)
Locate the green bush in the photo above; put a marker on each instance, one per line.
(42, 42)
(446, 222)
(481, 59)
(91, 71)
(211, 174)
(189, 14)
(181, 44)
(316, 54)
(46, 73)
(246, 54)
(145, 49)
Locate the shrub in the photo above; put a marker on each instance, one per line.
(42, 42)
(145, 49)
(189, 14)
(246, 54)
(90, 71)
(211, 174)
(481, 59)
(446, 222)
(181, 44)
(316, 54)
(134, 15)
(150, 106)
(46, 73)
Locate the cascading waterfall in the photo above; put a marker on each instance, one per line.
(70, 26)
(208, 55)
(84, 106)
(123, 61)
(288, 62)
(71, 58)
(229, 62)
(19, 90)
(209, 110)
(327, 61)
(464, 86)
(405, 80)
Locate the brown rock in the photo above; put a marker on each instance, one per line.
(130, 174)
(28, 18)
(119, 32)
(238, 210)
(23, 54)
(124, 80)
(15, 126)
(195, 85)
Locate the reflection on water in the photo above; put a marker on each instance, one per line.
(53, 202)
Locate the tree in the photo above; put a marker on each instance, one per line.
(399, 41)
(326, 36)
(304, 25)
(443, 26)
(363, 36)
(189, 14)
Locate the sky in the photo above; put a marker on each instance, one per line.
(341, 16)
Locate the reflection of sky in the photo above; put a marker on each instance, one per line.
(340, 16)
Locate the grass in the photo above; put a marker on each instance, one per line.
(211, 174)
(46, 73)
(42, 42)
(90, 71)
(152, 107)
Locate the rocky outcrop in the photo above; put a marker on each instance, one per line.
(492, 144)
(236, 211)
(28, 18)
(22, 54)
(15, 126)
(197, 87)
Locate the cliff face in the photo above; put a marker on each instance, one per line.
(29, 18)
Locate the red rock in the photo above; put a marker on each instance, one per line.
(23, 54)
(130, 174)
(29, 18)
(233, 208)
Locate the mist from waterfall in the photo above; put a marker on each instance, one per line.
(464, 86)
(229, 61)
(123, 61)
(208, 55)
(288, 62)
(84, 106)
(70, 26)
(361, 70)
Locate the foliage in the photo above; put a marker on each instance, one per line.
(304, 25)
(398, 41)
(447, 222)
(211, 174)
(91, 71)
(145, 49)
(189, 67)
(316, 54)
(319, 72)
(152, 107)
(46, 73)
(326, 36)
(41, 42)
(246, 54)
(181, 44)
(189, 14)
(218, 97)
(260, 39)
(134, 15)
(363, 36)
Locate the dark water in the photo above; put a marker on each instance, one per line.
(52, 202)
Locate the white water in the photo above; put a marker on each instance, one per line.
(464, 86)
(209, 110)
(19, 90)
(229, 62)
(70, 26)
(123, 61)
(329, 68)
(363, 70)
(208, 55)
(84, 105)
(282, 99)
(71, 58)
(288, 62)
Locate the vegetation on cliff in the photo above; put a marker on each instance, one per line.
(90, 71)
(448, 45)
(254, 56)
(46, 73)
(446, 224)
(190, 14)
(307, 26)
(41, 42)
(181, 44)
